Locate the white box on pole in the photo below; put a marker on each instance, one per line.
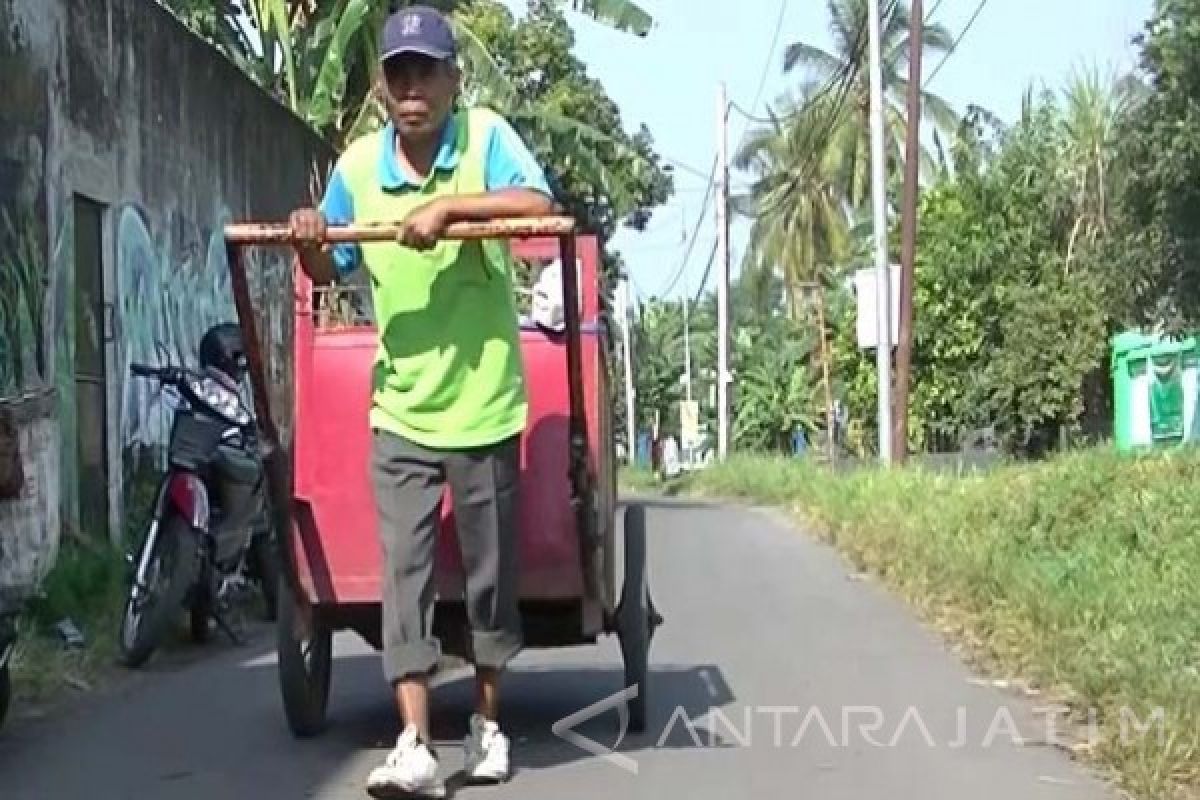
(867, 323)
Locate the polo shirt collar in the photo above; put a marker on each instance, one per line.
(393, 177)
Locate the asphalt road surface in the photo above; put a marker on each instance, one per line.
(775, 675)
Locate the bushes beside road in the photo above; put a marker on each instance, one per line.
(87, 587)
(1080, 576)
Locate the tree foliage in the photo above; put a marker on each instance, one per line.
(318, 57)
(1014, 296)
(777, 391)
(810, 161)
(774, 361)
(800, 227)
(1161, 241)
(606, 175)
(843, 76)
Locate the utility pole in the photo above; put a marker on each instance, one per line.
(630, 419)
(883, 352)
(687, 351)
(908, 245)
(722, 193)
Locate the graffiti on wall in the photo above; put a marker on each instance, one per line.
(169, 295)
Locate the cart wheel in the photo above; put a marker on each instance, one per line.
(266, 571)
(305, 664)
(636, 617)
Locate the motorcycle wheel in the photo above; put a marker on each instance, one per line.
(171, 570)
(5, 692)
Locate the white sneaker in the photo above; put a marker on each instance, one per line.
(486, 752)
(410, 771)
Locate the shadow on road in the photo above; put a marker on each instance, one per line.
(218, 726)
(667, 501)
(535, 698)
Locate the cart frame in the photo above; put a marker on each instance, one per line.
(304, 626)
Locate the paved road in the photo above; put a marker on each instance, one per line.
(764, 631)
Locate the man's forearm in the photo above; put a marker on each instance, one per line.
(501, 204)
(318, 264)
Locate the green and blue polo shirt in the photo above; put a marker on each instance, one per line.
(448, 373)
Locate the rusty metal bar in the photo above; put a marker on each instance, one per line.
(252, 233)
(251, 342)
(570, 285)
(579, 467)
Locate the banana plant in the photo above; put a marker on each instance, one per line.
(316, 56)
(623, 15)
(776, 387)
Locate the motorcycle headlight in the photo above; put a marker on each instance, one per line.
(220, 400)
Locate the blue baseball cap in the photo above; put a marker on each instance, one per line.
(418, 29)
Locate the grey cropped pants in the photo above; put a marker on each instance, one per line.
(409, 481)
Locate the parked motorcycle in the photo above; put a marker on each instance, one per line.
(210, 531)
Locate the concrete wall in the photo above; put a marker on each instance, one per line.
(116, 102)
(29, 522)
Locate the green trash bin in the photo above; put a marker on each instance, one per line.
(1124, 344)
(1166, 396)
(1154, 390)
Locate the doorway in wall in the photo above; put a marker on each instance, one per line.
(93, 329)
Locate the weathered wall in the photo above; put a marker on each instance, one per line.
(116, 102)
(29, 522)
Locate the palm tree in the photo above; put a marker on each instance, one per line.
(844, 74)
(796, 201)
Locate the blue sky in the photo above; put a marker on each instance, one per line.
(669, 82)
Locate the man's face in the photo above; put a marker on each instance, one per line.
(419, 92)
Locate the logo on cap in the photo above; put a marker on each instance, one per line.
(410, 25)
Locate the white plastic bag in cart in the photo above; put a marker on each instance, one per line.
(547, 308)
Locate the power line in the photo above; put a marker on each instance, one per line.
(684, 166)
(762, 79)
(842, 82)
(839, 81)
(699, 189)
(817, 135)
(637, 289)
(748, 115)
(845, 72)
(695, 232)
(712, 257)
(762, 82)
(953, 47)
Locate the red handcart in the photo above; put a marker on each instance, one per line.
(325, 510)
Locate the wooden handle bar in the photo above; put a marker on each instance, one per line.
(254, 233)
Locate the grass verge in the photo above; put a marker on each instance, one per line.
(86, 586)
(1077, 576)
(638, 479)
